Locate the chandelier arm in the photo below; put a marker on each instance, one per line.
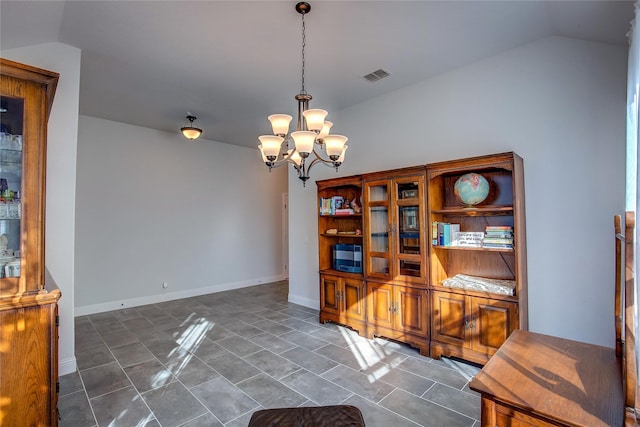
(319, 158)
(277, 163)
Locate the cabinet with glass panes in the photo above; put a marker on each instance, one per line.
(28, 307)
(11, 124)
(395, 255)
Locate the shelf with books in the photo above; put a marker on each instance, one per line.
(490, 246)
(470, 248)
(335, 228)
(342, 215)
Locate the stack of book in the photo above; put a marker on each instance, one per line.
(334, 206)
(444, 233)
(498, 236)
(325, 206)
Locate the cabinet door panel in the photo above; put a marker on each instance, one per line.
(493, 322)
(450, 318)
(379, 304)
(377, 220)
(329, 287)
(409, 229)
(411, 307)
(29, 330)
(353, 297)
(22, 169)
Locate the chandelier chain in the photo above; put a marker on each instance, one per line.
(311, 134)
(304, 43)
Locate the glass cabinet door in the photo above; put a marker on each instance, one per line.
(26, 98)
(378, 223)
(408, 224)
(11, 130)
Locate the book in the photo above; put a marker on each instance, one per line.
(499, 234)
(499, 228)
(497, 246)
(336, 203)
(434, 233)
(498, 240)
(446, 234)
(472, 239)
(343, 212)
(325, 206)
(450, 231)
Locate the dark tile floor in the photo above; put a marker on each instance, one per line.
(213, 360)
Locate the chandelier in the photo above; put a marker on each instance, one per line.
(311, 136)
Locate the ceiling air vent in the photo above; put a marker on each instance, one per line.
(376, 75)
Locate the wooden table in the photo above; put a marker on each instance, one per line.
(539, 380)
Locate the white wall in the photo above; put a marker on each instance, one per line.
(153, 207)
(557, 102)
(60, 180)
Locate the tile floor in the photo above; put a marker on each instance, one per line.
(213, 360)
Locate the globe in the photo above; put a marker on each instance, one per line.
(471, 189)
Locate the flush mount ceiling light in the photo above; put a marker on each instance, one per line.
(311, 135)
(189, 130)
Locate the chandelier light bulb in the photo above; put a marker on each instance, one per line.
(271, 145)
(315, 119)
(335, 145)
(341, 158)
(264, 158)
(280, 123)
(325, 129)
(304, 140)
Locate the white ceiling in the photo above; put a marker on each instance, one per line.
(231, 63)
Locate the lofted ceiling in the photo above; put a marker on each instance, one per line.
(232, 63)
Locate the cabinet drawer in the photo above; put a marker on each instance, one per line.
(508, 417)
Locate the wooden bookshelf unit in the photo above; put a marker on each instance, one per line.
(404, 290)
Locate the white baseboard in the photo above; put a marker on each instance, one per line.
(170, 296)
(67, 366)
(307, 302)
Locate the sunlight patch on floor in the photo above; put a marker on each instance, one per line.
(371, 356)
(188, 343)
(142, 422)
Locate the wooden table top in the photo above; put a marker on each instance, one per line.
(570, 382)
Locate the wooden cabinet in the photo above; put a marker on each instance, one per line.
(340, 252)
(28, 310)
(342, 300)
(398, 312)
(472, 321)
(394, 209)
(463, 322)
(395, 256)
